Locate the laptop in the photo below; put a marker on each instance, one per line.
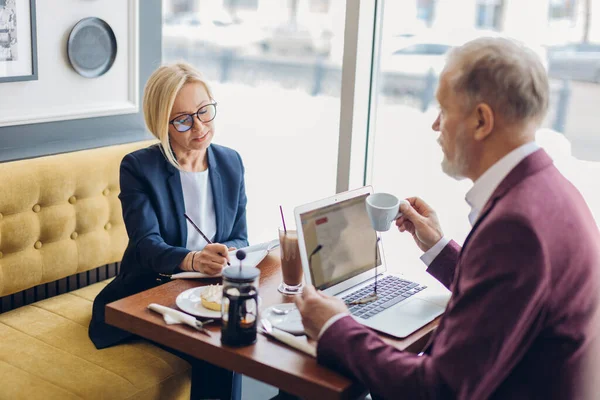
(342, 254)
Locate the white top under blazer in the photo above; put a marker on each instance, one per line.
(199, 206)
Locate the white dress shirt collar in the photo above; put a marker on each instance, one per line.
(484, 187)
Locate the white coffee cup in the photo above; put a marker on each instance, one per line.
(383, 209)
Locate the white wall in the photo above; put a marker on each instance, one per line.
(60, 93)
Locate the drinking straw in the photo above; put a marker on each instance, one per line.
(282, 220)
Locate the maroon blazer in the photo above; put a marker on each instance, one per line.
(525, 290)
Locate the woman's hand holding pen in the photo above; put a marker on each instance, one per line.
(220, 253)
(212, 259)
(209, 260)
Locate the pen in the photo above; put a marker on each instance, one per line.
(202, 234)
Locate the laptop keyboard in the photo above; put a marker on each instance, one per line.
(391, 290)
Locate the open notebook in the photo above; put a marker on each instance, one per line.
(254, 255)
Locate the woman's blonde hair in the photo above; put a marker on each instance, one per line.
(159, 96)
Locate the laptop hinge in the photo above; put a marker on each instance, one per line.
(363, 283)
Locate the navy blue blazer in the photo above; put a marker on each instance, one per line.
(153, 207)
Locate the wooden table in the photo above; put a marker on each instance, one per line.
(267, 360)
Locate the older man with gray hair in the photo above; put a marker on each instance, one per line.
(525, 285)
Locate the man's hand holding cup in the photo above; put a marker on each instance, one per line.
(421, 221)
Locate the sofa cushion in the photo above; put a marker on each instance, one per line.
(45, 353)
(60, 215)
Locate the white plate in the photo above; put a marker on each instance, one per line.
(190, 302)
(290, 322)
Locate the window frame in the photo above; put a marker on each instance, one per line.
(358, 99)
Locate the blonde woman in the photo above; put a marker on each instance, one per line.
(184, 173)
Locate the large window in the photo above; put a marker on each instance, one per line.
(327, 95)
(275, 69)
(405, 155)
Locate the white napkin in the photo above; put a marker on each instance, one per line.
(254, 255)
(297, 342)
(172, 316)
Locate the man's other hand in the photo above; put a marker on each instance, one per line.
(316, 309)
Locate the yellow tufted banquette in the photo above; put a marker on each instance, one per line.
(60, 215)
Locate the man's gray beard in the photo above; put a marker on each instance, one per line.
(451, 170)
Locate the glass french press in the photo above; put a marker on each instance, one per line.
(239, 308)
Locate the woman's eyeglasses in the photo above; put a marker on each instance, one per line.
(185, 122)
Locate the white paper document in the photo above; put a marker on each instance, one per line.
(254, 255)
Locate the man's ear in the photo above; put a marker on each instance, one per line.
(484, 121)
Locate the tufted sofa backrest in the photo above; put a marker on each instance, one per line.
(60, 215)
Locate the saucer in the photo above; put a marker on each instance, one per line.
(290, 322)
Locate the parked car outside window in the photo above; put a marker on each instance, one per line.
(412, 66)
(210, 32)
(298, 39)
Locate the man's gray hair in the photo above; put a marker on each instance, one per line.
(502, 73)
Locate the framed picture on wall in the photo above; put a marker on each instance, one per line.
(18, 42)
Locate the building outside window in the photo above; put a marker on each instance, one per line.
(489, 14)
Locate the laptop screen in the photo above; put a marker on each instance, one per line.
(348, 239)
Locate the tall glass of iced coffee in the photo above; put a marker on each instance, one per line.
(291, 265)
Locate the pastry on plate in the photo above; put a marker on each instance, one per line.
(212, 296)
